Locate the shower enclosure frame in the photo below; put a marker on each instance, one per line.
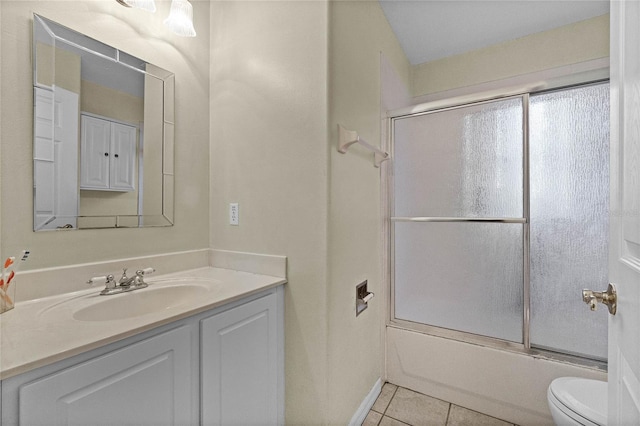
(523, 93)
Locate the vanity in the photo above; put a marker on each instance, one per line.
(204, 346)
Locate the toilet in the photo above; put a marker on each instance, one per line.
(576, 401)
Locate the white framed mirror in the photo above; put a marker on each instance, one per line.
(103, 144)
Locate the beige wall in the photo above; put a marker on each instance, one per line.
(269, 153)
(280, 83)
(111, 103)
(571, 44)
(65, 70)
(359, 33)
(141, 34)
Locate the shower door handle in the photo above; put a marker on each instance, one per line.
(609, 298)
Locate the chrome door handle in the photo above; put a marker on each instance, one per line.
(609, 298)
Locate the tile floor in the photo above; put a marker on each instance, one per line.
(398, 406)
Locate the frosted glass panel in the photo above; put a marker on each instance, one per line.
(464, 162)
(569, 156)
(461, 276)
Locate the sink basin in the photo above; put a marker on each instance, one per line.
(140, 302)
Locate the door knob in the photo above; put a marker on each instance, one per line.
(609, 298)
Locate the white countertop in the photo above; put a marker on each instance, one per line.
(40, 332)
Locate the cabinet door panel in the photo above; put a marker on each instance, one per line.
(94, 153)
(123, 157)
(239, 365)
(147, 383)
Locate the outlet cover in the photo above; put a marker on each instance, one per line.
(234, 214)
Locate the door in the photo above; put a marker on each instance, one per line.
(122, 169)
(624, 256)
(43, 160)
(55, 158)
(94, 153)
(239, 365)
(146, 383)
(66, 148)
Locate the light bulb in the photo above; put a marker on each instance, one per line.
(180, 19)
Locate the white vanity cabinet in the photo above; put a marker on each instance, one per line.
(148, 382)
(220, 366)
(107, 155)
(239, 365)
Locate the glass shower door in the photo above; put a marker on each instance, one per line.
(569, 156)
(458, 219)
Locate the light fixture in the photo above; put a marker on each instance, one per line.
(180, 19)
(148, 5)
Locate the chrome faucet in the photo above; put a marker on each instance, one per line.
(124, 283)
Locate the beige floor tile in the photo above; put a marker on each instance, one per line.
(372, 419)
(384, 398)
(388, 421)
(417, 409)
(459, 416)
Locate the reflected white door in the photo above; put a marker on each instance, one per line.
(624, 257)
(55, 158)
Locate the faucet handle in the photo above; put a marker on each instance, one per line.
(108, 281)
(145, 271)
(103, 279)
(138, 280)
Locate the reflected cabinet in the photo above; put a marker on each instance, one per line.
(108, 155)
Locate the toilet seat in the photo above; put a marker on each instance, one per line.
(583, 400)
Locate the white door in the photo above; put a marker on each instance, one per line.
(66, 154)
(122, 169)
(239, 365)
(624, 257)
(43, 160)
(94, 153)
(55, 159)
(147, 383)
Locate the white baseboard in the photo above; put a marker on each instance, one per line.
(366, 404)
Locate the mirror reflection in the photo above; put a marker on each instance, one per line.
(103, 134)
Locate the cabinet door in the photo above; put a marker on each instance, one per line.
(123, 157)
(147, 383)
(94, 153)
(239, 365)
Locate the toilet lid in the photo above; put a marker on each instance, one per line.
(587, 398)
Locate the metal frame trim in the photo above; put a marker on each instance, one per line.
(526, 227)
(460, 219)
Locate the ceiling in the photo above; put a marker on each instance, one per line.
(434, 29)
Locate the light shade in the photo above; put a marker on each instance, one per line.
(180, 19)
(148, 5)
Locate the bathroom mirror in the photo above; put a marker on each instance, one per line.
(103, 134)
